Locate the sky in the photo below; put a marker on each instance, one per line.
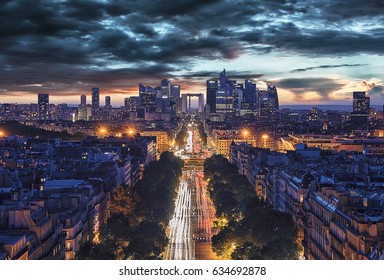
(315, 52)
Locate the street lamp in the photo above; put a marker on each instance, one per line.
(103, 131)
(131, 132)
(265, 138)
(245, 133)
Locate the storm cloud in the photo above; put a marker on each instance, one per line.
(120, 43)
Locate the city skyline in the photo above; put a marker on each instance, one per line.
(315, 53)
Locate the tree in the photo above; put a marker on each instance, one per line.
(122, 201)
(261, 232)
(248, 251)
(92, 251)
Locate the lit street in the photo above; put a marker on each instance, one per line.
(190, 227)
(181, 245)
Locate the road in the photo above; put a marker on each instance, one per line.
(204, 208)
(181, 243)
(190, 227)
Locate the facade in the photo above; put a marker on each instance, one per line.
(108, 102)
(162, 139)
(212, 86)
(361, 105)
(250, 95)
(186, 102)
(95, 102)
(82, 112)
(43, 103)
(268, 104)
(33, 234)
(134, 103)
(83, 100)
(223, 139)
(336, 203)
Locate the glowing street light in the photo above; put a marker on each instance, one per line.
(265, 138)
(2, 133)
(103, 131)
(131, 132)
(245, 133)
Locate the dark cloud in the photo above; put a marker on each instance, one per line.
(61, 42)
(215, 74)
(326, 67)
(146, 30)
(342, 11)
(299, 86)
(374, 89)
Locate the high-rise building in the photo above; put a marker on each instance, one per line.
(200, 107)
(272, 93)
(224, 102)
(89, 112)
(212, 87)
(361, 105)
(176, 98)
(250, 95)
(82, 113)
(184, 103)
(134, 102)
(95, 102)
(43, 103)
(83, 100)
(108, 102)
(225, 95)
(165, 88)
(268, 104)
(126, 104)
(223, 78)
(175, 91)
(147, 98)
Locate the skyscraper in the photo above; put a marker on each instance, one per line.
(82, 110)
(108, 102)
(83, 100)
(147, 98)
(126, 104)
(272, 93)
(212, 86)
(224, 102)
(250, 95)
(95, 102)
(175, 91)
(200, 103)
(268, 103)
(361, 105)
(43, 103)
(225, 95)
(165, 88)
(223, 78)
(134, 103)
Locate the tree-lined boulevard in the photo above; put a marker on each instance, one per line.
(189, 205)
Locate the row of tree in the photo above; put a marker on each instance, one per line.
(247, 228)
(181, 137)
(139, 217)
(203, 135)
